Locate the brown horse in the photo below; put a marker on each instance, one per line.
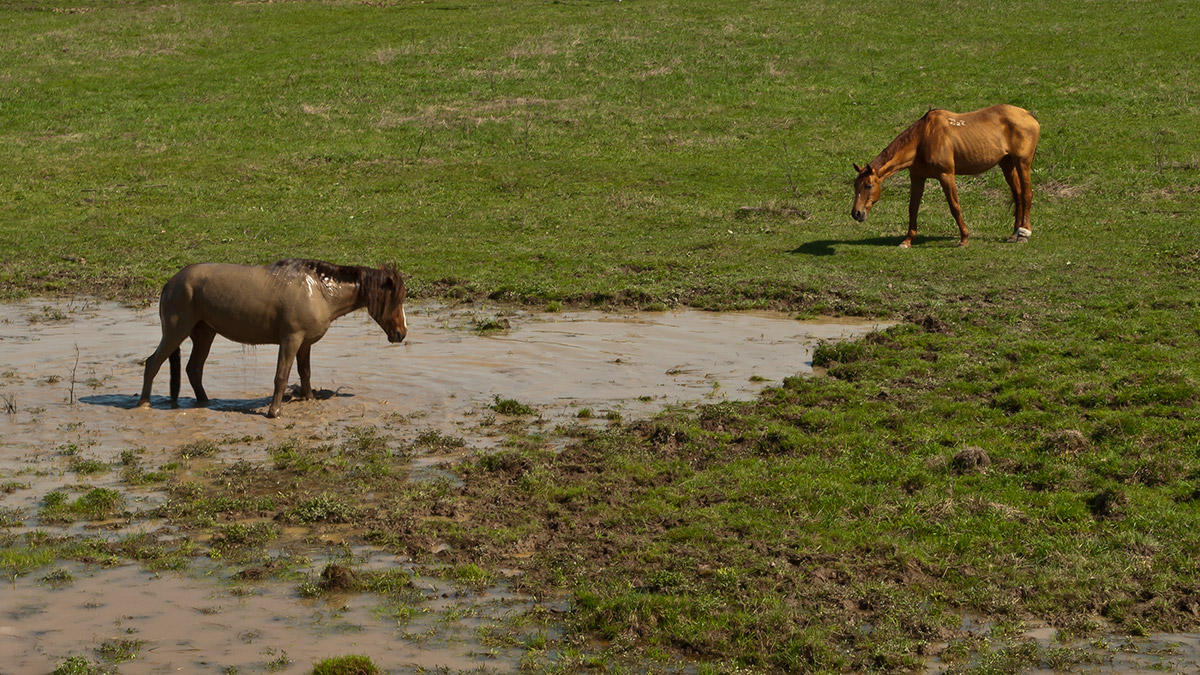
(942, 144)
(289, 303)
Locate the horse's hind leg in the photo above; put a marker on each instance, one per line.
(202, 339)
(1024, 173)
(166, 348)
(1020, 196)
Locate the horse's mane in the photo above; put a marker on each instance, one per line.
(901, 141)
(371, 280)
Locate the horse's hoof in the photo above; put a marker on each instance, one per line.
(144, 404)
(905, 244)
(962, 244)
(272, 414)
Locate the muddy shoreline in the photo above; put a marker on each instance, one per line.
(70, 380)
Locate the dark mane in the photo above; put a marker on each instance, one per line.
(319, 267)
(371, 281)
(901, 141)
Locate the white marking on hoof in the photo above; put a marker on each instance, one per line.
(1024, 233)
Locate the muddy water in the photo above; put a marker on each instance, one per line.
(70, 376)
(72, 371)
(189, 624)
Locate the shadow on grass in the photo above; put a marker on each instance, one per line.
(826, 246)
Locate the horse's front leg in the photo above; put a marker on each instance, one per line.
(288, 347)
(951, 191)
(916, 192)
(303, 367)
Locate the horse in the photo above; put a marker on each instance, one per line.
(942, 144)
(289, 303)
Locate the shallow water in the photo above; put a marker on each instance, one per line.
(70, 376)
(443, 376)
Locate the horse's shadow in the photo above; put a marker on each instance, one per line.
(826, 246)
(246, 406)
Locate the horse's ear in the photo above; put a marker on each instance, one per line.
(857, 169)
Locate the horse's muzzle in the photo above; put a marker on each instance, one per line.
(398, 336)
(860, 216)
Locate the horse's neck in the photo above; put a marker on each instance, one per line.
(346, 297)
(899, 154)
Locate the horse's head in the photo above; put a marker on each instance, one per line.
(386, 304)
(867, 188)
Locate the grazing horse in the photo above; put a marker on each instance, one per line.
(942, 144)
(289, 303)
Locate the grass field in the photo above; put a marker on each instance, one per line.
(600, 153)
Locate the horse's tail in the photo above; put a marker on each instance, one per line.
(175, 375)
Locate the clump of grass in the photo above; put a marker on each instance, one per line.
(96, 504)
(346, 665)
(432, 439)
(76, 665)
(323, 508)
(197, 449)
(489, 324)
(120, 651)
(88, 466)
(58, 578)
(278, 663)
(471, 575)
(508, 406)
(10, 486)
(11, 516)
(237, 540)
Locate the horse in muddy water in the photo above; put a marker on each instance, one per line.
(943, 144)
(289, 303)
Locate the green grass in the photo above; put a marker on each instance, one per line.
(568, 154)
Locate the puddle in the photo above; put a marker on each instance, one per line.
(1113, 654)
(443, 377)
(70, 376)
(188, 624)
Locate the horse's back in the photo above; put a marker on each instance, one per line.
(979, 139)
(244, 303)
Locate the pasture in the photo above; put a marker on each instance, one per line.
(651, 154)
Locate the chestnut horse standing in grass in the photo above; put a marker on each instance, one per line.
(289, 303)
(942, 144)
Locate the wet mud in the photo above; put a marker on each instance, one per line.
(70, 376)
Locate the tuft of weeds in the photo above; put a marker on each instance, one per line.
(346, 665)
(324, 508)
(120, 650)
(77, 665)
(96, 504)
(197, 449)
(58, 578)
(511, 407)
(491, 324)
